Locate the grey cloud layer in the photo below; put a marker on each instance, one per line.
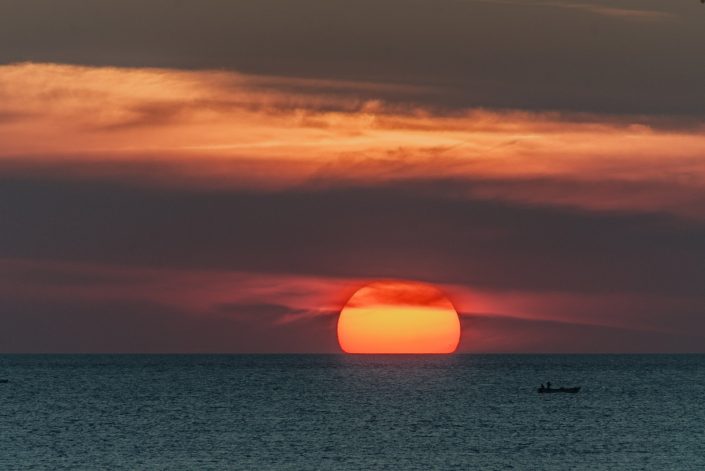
(583, 56)
(409, 230)
(495, 333)
(417, 229)
(71, 326)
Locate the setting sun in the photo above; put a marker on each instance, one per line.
(398, 317)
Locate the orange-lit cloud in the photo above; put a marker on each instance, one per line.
(217, 128)
(255, 307)
(198, 292)
(398, 293)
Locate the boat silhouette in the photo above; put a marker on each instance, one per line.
(572, 390)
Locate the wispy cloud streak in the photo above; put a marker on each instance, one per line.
(223, 129)
(629, 14)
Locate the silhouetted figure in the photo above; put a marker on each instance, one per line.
(547, 389)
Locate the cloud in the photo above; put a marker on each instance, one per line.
(393, 292)
(491, 333)
(52, 306)
(128, 327)
(550, 169)
(622, 13)
(617, 57)
(382, 231)
(217, 129)
(193, 291)
(75, 326)
(87, 307)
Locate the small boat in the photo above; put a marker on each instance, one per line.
(4, 381)
(559, 390)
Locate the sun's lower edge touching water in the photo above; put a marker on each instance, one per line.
(398, 317)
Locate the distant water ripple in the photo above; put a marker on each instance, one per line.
(301, 412)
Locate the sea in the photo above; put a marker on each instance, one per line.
(348, 412)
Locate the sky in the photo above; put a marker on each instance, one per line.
(221, 176)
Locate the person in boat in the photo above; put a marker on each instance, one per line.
(548, 385)
(542, 386)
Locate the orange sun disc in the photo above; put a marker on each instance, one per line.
(398, 317)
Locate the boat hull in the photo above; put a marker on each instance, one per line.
(558, 390)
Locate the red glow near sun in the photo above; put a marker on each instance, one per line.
(398, 317)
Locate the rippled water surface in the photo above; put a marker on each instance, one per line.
(303, 412)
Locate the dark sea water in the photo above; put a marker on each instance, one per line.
(300, 412)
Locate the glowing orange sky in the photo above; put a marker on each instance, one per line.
(165, 128)
(398, 317)
(225, 128)
(216, 177)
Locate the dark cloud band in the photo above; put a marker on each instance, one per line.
(615, 57)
